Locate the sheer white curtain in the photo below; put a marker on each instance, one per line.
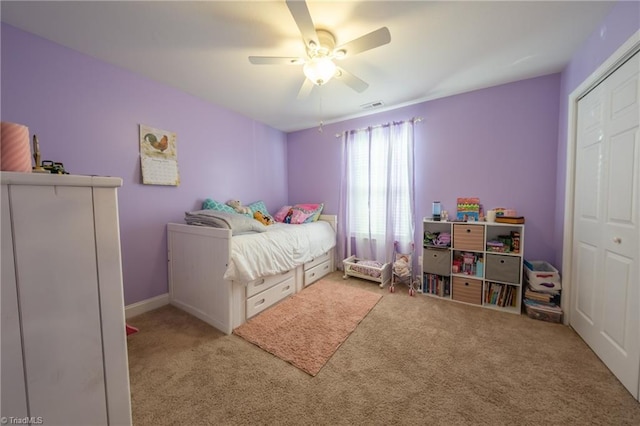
(377, 191)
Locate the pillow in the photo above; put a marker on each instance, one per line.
(311, 210)
(238, 223)
(259, 206)
(282, 213)
(210, 204)
(299, 216)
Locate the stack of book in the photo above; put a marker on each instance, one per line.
(543, 298)
(542, 305)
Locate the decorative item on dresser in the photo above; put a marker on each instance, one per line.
(482, 265)
(64, 349)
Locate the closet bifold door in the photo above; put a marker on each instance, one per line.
(606, 231)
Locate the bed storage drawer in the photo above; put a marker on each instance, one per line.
(317, 272)
(261, 284)
(267, 298)
(467, 290)
(315, 262)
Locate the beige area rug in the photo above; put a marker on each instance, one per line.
(307, 328)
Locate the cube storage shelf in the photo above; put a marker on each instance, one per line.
(482, 266)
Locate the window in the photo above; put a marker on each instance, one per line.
(377, 190)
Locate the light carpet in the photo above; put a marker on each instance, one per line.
(307, 328)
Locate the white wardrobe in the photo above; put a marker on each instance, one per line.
(604, 265)
(64, 349)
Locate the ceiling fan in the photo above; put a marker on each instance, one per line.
(318, 65)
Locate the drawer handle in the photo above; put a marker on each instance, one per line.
(466, 283)
(501, 260)
(260, 302)
(468, 230)
(326, 267)
(286, 288)
(313, 274)
(262, 281)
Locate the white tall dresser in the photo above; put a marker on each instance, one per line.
(64, 349)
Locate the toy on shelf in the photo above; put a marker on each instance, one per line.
(437, 239)
(468, 209)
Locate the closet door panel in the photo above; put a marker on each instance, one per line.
(606, 306)
(586, 293)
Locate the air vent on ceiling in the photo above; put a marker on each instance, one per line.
(371, 105)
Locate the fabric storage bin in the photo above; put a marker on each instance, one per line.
(436, 261)
(467, 290)
(468, 237)
(502, 268)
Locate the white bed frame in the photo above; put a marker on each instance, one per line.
(198, 258)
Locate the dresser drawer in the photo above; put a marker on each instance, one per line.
(468, 237)
(267, 298)
(467, 290)
(503, 268)
(261, 284)
(315, 262)
(436, 261)
(317, 272)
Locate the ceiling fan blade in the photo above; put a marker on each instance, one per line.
(376, 38)
(351, 80)
(306, 88)
(275, 60)
(301, 15)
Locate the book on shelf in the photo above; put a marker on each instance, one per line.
(500, 294)
(436, 284)
(510, 219)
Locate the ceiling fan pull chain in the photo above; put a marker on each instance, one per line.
(321, 123)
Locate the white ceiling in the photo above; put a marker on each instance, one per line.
(437, 48)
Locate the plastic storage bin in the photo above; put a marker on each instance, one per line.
(541, 312)
(542, 276)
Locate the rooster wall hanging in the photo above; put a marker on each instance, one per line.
(158, 157)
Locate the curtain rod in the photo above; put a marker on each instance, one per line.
(413, 120)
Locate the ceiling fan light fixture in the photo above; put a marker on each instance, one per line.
(319, 70)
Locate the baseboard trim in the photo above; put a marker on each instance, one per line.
(146, 305)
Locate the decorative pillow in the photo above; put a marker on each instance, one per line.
(298, 216)
(312, 210)
(210, 204)
(259, 206)
(282, 213)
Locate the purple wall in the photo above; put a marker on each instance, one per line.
(499, 144)
(622, 23)
(86, 115)
(506, 144)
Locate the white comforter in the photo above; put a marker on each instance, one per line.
(281, 248)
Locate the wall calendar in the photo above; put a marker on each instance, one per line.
(158, 157)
